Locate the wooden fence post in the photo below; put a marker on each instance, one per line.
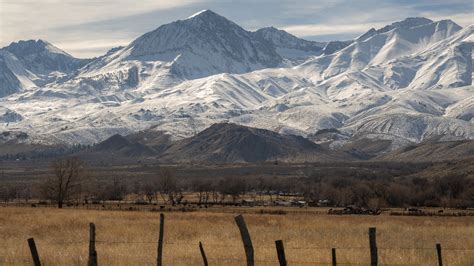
(92, 252)
(203, 254)
(373, 246)
(438, 250)
(34, 252)
(244, 233)
(333, 251)
(280, 252)
(159, 259)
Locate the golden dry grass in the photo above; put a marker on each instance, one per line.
(129, 238)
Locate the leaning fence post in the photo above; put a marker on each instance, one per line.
(438, 250)
(333, 251)
(34, 252)
(159, 259)
(244, 233)
(280, 252)
(92, 252)
(373, 246)
(203, 254)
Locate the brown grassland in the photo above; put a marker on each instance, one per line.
(129, 237)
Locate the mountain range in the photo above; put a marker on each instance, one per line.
(399, 85)
(232, 143)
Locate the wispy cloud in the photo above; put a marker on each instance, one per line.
(90, 48)
(27, 19)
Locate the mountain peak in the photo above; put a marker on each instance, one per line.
(203, 12)
(33, 47)
(270, 29)
(449, 22)
(207, 19)
(414, 21)
(41, 42)
(40, 63)
(206, 15)
(272, 33)
(288, 45)
(228, 142)
(406, 23)
(204, 44)
(367, 35)
(27, 43)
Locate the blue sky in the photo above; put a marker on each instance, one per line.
(87, 28)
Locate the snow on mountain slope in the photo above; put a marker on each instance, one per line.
(290, 47)
(406, 82)
(416, 115)
(463, 109)
(404, 24)
(8, 116)
(30, 64)
(380, 48)
(200, 46)
(412, 127)
(42, 57)
(13, 76)
(447, 63)
(204, 44)
(334, 46)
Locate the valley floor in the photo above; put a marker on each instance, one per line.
(130, 238)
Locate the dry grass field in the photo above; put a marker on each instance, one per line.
(129, 238)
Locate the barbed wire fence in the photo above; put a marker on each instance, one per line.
(248, 246)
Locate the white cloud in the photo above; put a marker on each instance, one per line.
(27, 19)
(90, 48)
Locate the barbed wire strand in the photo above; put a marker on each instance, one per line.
(239, 246)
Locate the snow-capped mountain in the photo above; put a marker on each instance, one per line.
(381, 47)
(202, 45)
(288, 46)
(406, 82)
(405, 24)
(13, 76)
(334, 46)
(42, 57)
(29, 64)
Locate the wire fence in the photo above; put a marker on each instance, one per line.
(233, 253)
(151, 242)
(215, 259)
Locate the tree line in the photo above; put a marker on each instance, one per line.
(70, 182)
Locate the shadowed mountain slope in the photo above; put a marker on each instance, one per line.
(226, 142)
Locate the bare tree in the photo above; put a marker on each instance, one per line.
(149, 190)
(270, 187)
(115, 191)
(203, 188)
(24, 192)
(5, 193)
(168, 186)
(215, 191)
(68, 174)
(234, 187)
